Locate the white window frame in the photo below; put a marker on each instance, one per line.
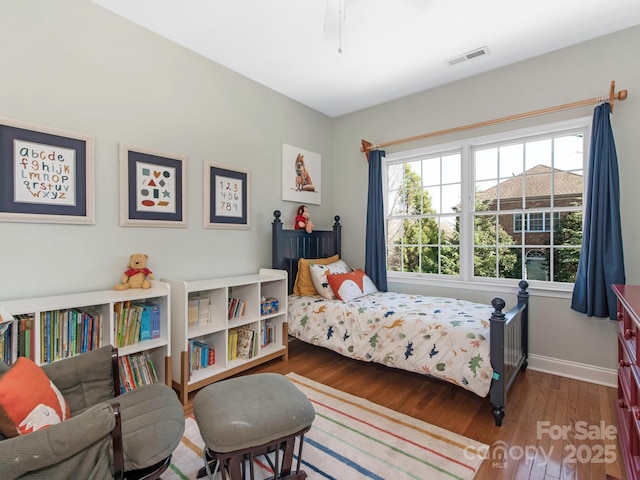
(466, 279)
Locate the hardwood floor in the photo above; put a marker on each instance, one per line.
(539, 408)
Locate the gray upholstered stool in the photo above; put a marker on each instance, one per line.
(242, 417)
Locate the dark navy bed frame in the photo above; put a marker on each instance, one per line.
(509, 338)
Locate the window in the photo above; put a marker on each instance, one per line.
(535, 222)
(505, 207)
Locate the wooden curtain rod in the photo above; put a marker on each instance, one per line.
(621, 95)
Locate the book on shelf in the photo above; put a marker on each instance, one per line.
(232, 344)
(26, 336)
(154, 309)
(267, 333)
(236, 308)
(65, 333)
(198, 311)
(135, 322)
(201, 355)
(136, 369)
(6, 341)
(246, 343)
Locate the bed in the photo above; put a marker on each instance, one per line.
(478, 347)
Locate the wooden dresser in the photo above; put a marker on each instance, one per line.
(628, 407)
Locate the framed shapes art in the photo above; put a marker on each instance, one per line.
(46, 174)
(152, 188)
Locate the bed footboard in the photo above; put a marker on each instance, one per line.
(509, 344)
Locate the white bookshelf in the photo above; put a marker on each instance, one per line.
(102, 303)
(215, 331)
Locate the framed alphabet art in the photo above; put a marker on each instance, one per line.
(152, 186)
(46, 174)
(226, 196)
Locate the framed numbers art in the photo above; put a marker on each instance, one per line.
(226, 196)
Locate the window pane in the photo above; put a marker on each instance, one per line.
(565, 264)
(451, 198)
(569, 152)
(430, 260)
(394, 258)
(510, 263)
(567, 188)
(394, 231)
(484, 262)
(431, 171)
(506, 233)
(395, 202)
(511, 163)
(395, 176)
(486, 164)
(450, 230)
(411, 259)
(412, 231)
(568, 229)
(452, 168)
(510, 192)
(450, 261)
(537, 264)
(538, 153)
(484, 230)
(538, 188)
(486, 196)
(431, 200)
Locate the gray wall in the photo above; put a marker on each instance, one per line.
(576, 73)
(73, 65)
(70, 64)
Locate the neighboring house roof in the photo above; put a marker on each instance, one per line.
(537, 184)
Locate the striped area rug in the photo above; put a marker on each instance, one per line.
(352, 438)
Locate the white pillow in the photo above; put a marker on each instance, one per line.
(319, 277)
(351, 285)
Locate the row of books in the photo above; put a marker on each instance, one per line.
(135, 370)
(236, 307)
(25, 325)
(201, 355)
(136, 322)
(242, 343)
(198, 311)
(65, 333)
(267, 333)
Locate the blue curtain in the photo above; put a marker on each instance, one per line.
(601, 259)
(376, 251)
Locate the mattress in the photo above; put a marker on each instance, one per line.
(446, 338)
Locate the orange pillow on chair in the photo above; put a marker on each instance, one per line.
(29, 401)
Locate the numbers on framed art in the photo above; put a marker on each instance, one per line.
(226, 199)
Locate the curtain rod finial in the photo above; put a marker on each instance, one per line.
(366, 148)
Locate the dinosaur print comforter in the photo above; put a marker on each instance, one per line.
(443, 337)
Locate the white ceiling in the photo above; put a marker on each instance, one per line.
(389, 48)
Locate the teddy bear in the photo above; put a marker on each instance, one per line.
(303, 222)
(137, 275)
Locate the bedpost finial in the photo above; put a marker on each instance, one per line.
(498, 304)
(337, 219)
(276, 216)
(523, 284)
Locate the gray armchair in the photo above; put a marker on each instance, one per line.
(128, 436)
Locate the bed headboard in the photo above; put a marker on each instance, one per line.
(288, 246)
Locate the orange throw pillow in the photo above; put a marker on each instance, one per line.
(304, 283)
(29, 401)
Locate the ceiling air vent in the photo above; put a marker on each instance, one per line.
(478, 52)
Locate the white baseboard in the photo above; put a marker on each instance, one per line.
(579, 371)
